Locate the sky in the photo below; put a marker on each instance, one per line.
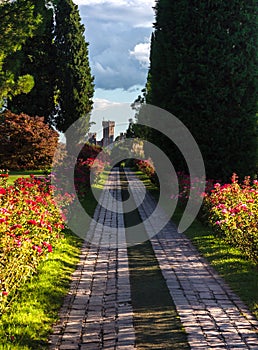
(118, 33)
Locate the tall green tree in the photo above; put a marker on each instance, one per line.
(203, 70)
(37, 58)
(74, 80)
(17, 24)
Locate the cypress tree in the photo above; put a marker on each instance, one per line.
(37, 58)
(74, 80)
(203, 70)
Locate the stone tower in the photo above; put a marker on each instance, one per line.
(108, 132)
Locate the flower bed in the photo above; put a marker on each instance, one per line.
(30, 228)
(91, 161)
(232, 211)
(194, 186)
(147, 167)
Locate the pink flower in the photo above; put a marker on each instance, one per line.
(18, 242)
(15, 226)
(32, 222)
(2, 191)
(49, 227)
(4, 293)
(50, 248)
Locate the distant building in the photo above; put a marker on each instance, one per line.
(121, 137)
(108, 132)
(92, 137)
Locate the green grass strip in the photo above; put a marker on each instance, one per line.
(28, 322)
(156, 322)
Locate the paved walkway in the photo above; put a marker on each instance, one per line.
(212, 315)
(97, 313)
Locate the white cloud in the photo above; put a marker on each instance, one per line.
(116, 2)
(116, 32)
(141, 53)
(101, 103)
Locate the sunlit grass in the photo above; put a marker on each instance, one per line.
(27, 324)
(14, 175)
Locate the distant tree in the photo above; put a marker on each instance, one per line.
(203, 70)
(37, 58)
(17, 24)
(74, 80)
(26, 142)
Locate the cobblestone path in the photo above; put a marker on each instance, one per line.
(212, 315)
(97, 312)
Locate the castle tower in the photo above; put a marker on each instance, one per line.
(108, 132)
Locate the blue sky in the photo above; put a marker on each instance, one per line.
(118, 32)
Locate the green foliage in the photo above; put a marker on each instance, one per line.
(232, 211)
(37, 58)
(17, 23)
(26, 142)
(74, 80)
(203, 70)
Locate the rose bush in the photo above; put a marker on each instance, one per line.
(194, 185)
(232, 212)
(84, 160)
(91, 161)
(147, 167)
(30, 228)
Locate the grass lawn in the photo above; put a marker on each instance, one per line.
(14, 175)
(241, 274)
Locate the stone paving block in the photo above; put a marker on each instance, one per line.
(90, 346)
(69, 346)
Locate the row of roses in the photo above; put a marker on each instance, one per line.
(231, 209)
(232, 212)
(30, 228)
(31, 222)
